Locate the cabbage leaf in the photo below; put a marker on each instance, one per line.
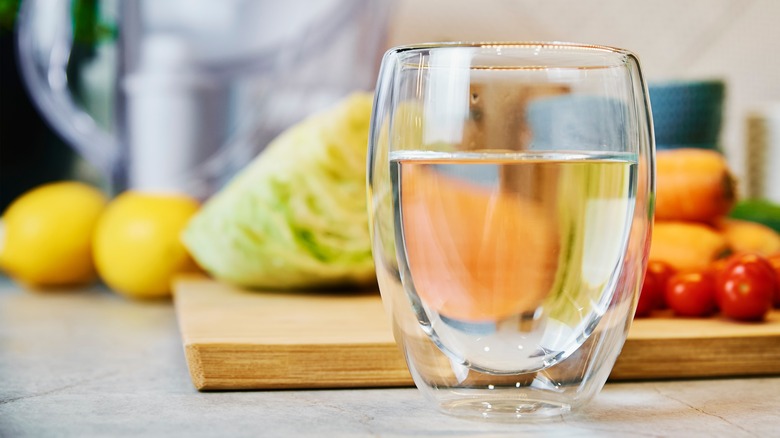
(296, 216)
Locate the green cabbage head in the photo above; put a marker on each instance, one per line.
(296, 216)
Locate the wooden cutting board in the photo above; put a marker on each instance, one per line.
(236, 339)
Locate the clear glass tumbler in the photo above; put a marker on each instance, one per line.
(510, 195)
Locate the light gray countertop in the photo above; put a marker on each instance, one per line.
(90, 363)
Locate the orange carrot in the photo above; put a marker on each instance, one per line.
(693, 185)
(686, 245)
(476, 254)
(752, 237)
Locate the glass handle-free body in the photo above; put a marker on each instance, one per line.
(510, 196)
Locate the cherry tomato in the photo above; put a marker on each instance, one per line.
(745, 288)
(774, 260)
(691, 293)
(648, 297)
(662, 272)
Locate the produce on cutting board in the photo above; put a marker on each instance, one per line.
(746, 287)
(697, 235)
(693, 185)
(296, 216)
(746, 236)
(687, 245)
(691, 293)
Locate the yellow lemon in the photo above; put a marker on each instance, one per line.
(47, 233)
(136, 244)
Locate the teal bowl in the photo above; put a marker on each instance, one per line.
(687, 113)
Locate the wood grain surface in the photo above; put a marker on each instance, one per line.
(235, 339)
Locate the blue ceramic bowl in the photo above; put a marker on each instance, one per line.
(687, 113)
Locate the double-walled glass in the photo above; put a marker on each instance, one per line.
(510, 196)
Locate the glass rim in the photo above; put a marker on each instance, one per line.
(556, 54)
(565, 45)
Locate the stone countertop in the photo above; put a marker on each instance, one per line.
(90, 363)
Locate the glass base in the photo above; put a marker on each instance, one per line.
(505, 409)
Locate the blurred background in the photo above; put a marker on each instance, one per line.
(180, 94)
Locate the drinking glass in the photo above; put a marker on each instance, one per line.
(510, 190)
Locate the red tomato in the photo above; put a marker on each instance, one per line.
(691, 293)
(662, 272)
(774, 260)
(746, 288)
(648, 297)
